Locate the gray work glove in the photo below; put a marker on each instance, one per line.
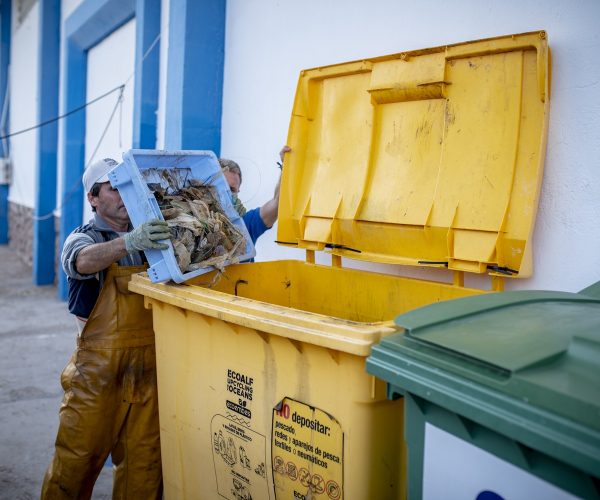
(146, 236)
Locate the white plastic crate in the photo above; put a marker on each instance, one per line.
(143, 166)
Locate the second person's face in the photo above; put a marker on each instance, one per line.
(234, 181)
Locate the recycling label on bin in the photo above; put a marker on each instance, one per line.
(307, 447)
(239, 455)
(240, 390)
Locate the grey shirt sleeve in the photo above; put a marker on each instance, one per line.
(74, 243)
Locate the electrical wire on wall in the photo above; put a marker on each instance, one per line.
(75, 186)
(60, 117)
(118, 105)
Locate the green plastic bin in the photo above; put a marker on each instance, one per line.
(502, 395)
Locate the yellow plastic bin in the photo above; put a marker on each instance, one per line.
(431, 158)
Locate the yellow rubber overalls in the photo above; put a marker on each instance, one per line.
(110, 404)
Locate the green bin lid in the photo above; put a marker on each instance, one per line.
(532, 356)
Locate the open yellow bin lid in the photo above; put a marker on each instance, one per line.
(432, 157)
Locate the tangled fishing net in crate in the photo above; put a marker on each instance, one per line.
(201, 233)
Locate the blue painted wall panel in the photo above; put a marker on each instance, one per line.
(145, 97)
(195, 74)
(94, 20)
(3, 214)
(5, 23)
(45, 189)
(73, 147)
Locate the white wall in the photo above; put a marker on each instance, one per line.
(268, 42)
(110, 64)
(162, 88)
(24, 98)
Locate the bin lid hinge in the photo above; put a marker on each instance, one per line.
(334, 246)
(502, 270)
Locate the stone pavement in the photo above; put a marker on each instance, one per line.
(37, 337)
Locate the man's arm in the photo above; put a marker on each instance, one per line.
(270, 210)
(99, 256)
(92, 258)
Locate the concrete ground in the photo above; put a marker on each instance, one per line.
(37, 337)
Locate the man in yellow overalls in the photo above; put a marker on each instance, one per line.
(110, 402)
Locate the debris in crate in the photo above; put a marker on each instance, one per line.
(201, 233)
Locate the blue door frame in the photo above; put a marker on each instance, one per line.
(45, 188)
(195, 74)
(89, 24)
(194, 89)
(5, 27)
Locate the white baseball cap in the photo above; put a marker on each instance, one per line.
(97, 172)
